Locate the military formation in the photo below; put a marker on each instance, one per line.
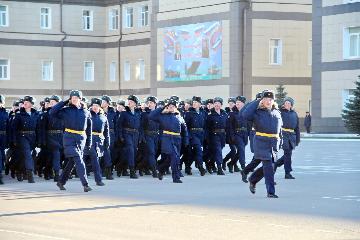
(75, 137)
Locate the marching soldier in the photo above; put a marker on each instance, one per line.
(174, 134)
(109, 153)
(290, 134)
(150, 134)
(128, 126)
(231, 155)
(3, 137)
(52, 132)
(100, 138)
(267, 123)
(195, 121)
(26, 134)
(239, 133)
(216, 130)
(77, 136)
(209, 105)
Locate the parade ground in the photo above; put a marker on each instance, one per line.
(323, 202)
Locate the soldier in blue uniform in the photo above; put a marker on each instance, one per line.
(109, 154)
(216, 130)
(4, 117)
(100, 138)
(77, 136)
(230, 155)
(150, 134)
(52, 134)
(267, 123)
(209, 105)
(26, 134)
(118, 158)
(254, 162)
(128, 126)
(239, 133)
(290, 134)
(195, 120)
(174, 134)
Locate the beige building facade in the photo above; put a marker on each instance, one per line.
(336, 60)
(119, 48)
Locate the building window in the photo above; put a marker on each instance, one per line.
(129, 17)
(140, 70)
(45, 18)
(112, 74)
(310, 53)
(47, 71)
(113, 19)
(144, 16)
(4, 69)
(87, 20)
(4, 16)
(89, 71)
(351, 43)
(275, 52)
(127, 70)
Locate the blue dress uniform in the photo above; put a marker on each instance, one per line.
(174, 134)
(291, 138)
(128, 127)
(52, 132)
(26, 136)
(4, 117)
(12, 154)
(150, 136)
(195, 122)
(77, 136)
(100, 140)
(216, 130)
(267, 124)
(239, 133)
(109, 154)
(232, 154)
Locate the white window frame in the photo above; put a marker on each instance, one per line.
(92, 79)
(127, 17)
(111, 19)
(112, 71)
(91, 20)
(144, 16)
(140, 70)
(346, 43)
(7, 70)
(6, 16)
(127, 71)
(310, 52)
(279, 52)
(51, 75)
(48, 15)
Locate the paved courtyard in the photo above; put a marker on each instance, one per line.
(323, 202)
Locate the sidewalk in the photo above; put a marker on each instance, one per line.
(330, 135)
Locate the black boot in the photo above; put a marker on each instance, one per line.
(141, 173)
(177, 181)
(100, 184)
(147, 172)
(289, 176)
(108, 174)
(125, 173)
(220, 171)
(87, 188)
(60, 186)
(223, 165)
(19, 177)
(154, 172)
(30, 176)
(188, 171)
(208, 168)
(252, 188)
(231, 167)
(56, 177)
(243, 176)
(1, 179)
(160, 175)
(236, 168)
(272, 195)
(133, 174)
(202, 170)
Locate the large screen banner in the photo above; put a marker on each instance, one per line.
(193, 52)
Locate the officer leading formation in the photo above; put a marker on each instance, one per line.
(72, 138)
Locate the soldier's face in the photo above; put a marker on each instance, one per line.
(187, 106)
(287, 105)
(217, 106)
(27, 105)
(196, 104)
(120, 108)
(95, 108)
(151, 105)
(131, 104)
(75, 100)
(47, 104)
(210, 106)
(104, 104)
(268, 102)
(171, 108)
(231, 105)
(53, 103)
(239, 104)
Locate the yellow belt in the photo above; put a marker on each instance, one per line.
(97, 133)
(270, 135)
(74, 131)
(171, 133)
(288, 130)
